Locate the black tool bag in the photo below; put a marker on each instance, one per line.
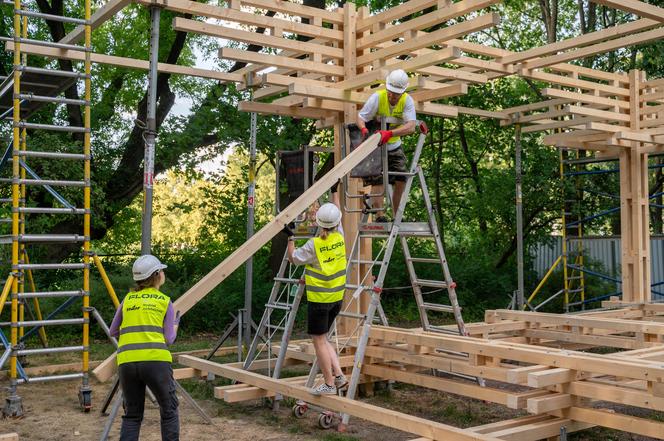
(372, 165)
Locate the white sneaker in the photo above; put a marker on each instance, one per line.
(340, 381)
(324, 389)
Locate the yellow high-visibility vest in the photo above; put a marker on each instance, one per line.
(142, 328)
(397, 111)
(327, 285)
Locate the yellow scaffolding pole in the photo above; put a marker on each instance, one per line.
(543, 281)
(84, 393)
(5, 291)
(107, 281)
(15, 196)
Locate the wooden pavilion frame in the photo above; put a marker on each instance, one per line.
(348, 51)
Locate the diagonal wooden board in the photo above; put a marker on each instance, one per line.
(184, 303)
(390, 418)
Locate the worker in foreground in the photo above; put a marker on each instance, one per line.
(146, 324)
(325, 281)
(391, 102)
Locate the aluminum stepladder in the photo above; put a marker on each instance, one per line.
(391, 232)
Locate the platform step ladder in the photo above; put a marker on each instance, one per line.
(27, 89)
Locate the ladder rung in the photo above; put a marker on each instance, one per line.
(423, 260)
(31, 323)
(280, 306)
(575, 278)
(437, 307)
(276, 327)
(352, 315)
(574, 291)
(34, 126)
(58, 73)
(9, 200)
(49, 294)
(71, 47)
(42, 351)
(51, 99)
(286, 280)
(349, 286)
(50, 210)
(49, 17)
(52, 155)
(59, 377)
(50, 238)
(50, 266)
(57, 182)
(367, 262)
(431, 283)
(442, 330)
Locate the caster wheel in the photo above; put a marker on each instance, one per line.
(300, 410)
(325, 420)
(85, 399)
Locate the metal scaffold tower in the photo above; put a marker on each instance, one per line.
(21, 95)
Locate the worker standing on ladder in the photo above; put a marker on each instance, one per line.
(391, 102)
(325, 280)
(146, 323)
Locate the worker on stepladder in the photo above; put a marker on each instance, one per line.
(325, 280)
(146, 324)
(390, 102)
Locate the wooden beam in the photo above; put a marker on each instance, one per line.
(584, 98)
(110, 8)
(207, 10)
(294, 112)
(603, 114)
(546, 404)
(573, 82)
(443, 92)
(279, 61)
(583, 40)
(642, 9)
(431, 38)
(600, 48)
(422, 22)
(386, 417)
(550, 377)
(210, 281)
(613, 420)
(396, 12)
(184, 25)
(296, 9)
(128, 63)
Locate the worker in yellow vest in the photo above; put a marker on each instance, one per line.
(325, 280)
(146, 324)
(391, 102)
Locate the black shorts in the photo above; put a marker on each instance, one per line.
(320, 316)
(396, 162)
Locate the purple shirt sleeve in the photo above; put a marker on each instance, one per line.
(117, 321)
(169, 324)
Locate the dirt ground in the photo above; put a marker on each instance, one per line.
(52, 413)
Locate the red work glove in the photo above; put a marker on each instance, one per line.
(365, 132)
(385, 136)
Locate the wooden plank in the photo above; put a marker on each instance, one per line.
(207, 10)
(550, 377)
(540, 430)
(583, 40)
(573, 82)
(589, 339)
(129, 63)
(428, 39)
(596, 363)
(422, 22)
(296, 10)
(210, 281)
(184, 25)
(110, 8)
(587, 111)
(386, 417)
(584, 98)
(182, 373)
(328, 93)
(279, 61)
(621, 395)
(595, 49)
(9, 437)
(642, 9)
(539, 405)
(430, 59)
(578, 320)
(609, 418)
(393, 13)
(294, 112)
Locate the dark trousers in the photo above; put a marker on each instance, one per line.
(158, 376)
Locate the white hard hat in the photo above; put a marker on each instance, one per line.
(145, 266)
(397, 81)
(328, 216)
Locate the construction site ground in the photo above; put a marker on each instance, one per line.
(52, 413)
